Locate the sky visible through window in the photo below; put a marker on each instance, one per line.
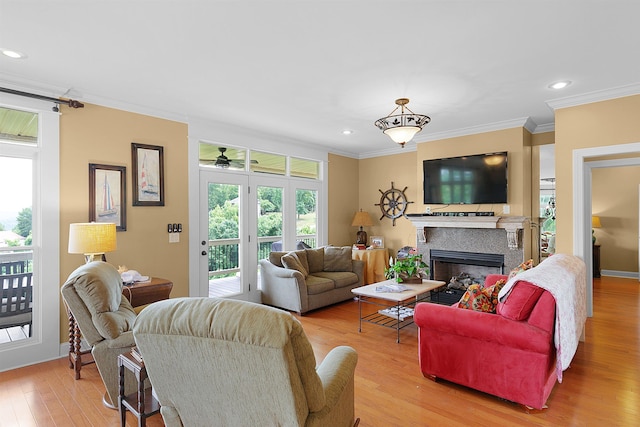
(15, 188)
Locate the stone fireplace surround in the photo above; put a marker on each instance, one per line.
(482, 234)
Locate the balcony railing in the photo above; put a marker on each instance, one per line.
(15, 260)
(224, 259)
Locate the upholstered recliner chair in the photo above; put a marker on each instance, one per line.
(233, 363)
(93, 294)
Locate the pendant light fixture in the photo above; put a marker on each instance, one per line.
(402, 127)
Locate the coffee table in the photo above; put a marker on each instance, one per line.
(399, 314)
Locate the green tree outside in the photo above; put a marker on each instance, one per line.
(23, 227)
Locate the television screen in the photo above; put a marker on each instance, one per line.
(476, 179)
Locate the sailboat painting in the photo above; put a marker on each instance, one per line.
(148, 180)
(107, 194)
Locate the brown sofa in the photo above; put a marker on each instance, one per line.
(307, 279)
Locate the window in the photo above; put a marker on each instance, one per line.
(302, 168)
(29, 143)
(18, 126)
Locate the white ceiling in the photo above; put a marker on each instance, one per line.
(307, 69)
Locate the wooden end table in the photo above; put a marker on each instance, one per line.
(138, 294)
(399, 314)
(142, 404)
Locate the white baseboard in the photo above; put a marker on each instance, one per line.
(616, 273)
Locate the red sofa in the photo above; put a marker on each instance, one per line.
(510, 354)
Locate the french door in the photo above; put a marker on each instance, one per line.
(225, 233)
(244, 217)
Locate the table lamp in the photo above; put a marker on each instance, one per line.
(595, 223)
(91, 239)
(361, 219)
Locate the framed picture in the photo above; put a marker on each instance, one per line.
(108, 195)
(148, 174)
(376, 242)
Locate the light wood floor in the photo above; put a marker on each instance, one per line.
(601, 388)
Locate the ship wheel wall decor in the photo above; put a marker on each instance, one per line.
(393, 203)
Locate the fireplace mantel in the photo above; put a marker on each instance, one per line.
(511, 224)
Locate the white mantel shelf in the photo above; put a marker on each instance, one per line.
(511, 224)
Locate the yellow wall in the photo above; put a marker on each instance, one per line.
(617, 207)
(343, 199)
(592, 125)
(102, 135)
(376, 176)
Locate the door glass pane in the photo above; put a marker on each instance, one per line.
(306, 217)
(269, 220)
(16, 251)
(224, 240)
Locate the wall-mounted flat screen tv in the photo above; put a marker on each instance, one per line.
(476, 179)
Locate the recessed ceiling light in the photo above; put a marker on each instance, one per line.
(14, 54)
(560, 85)
(347, 132)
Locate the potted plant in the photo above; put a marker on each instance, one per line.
(409, 269)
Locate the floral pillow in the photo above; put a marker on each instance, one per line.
(522, 267)
(482, 299)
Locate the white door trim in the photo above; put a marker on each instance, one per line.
(582, 167)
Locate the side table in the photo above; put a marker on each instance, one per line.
(142, 404)
(138, 294)
(375, 262)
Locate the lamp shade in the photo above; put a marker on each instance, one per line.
(595, 222)
(361, 219)
(92, 238)
(403, 134)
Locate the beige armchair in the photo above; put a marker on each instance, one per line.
(93, 294)
(233, 363)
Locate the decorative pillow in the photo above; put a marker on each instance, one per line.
(337, 258)
(482, 299)
(520, 301)
(492, 293)
(315, 257)
(293, 261)
(522, 267)
(275, 258)
(475, 299)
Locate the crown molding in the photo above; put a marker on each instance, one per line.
(472, 130)
(596, 96)
(548, 127)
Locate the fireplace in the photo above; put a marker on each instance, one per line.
(446, 264)
(484, 236)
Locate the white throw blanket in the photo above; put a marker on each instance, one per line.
(564, 276)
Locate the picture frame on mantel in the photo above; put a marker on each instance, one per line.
(108, 195)
(148, 174)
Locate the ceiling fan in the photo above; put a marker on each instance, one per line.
(224, 162)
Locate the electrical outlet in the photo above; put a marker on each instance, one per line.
(427, 209)
(506, 209)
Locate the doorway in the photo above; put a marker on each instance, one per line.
(582, 168)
